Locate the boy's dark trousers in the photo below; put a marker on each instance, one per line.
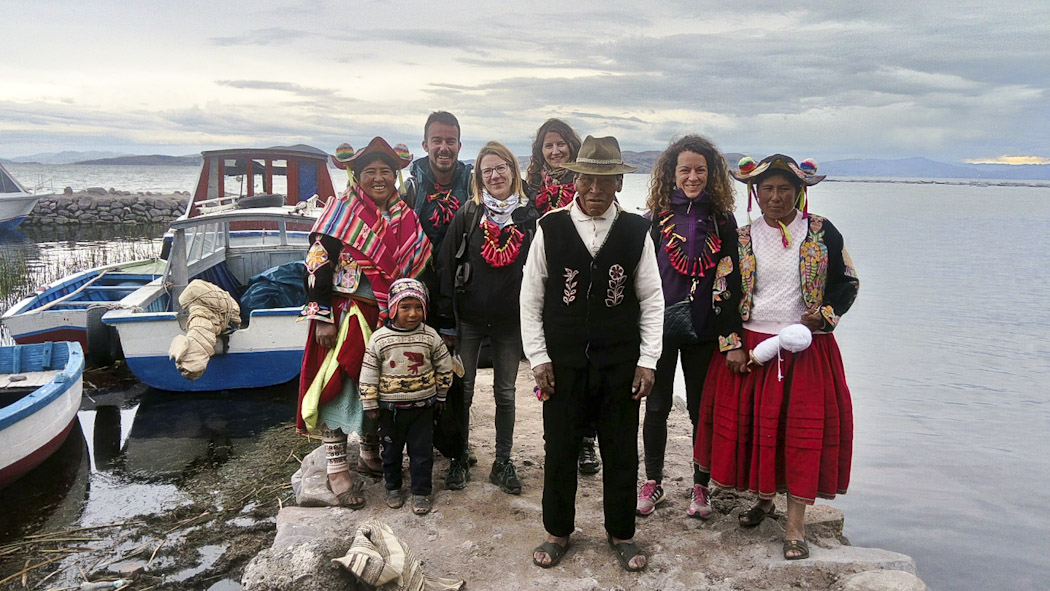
(414, 427)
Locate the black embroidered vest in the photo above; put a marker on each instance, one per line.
(590, 310)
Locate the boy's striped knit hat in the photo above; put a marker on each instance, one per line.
(407, 288)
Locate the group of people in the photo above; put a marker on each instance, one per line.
(407, 281)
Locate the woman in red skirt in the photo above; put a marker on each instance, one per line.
(785, 425)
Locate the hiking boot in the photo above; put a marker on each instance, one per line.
(458, 475)
(505, 476)
(651, 495)
(700, 507)
(589, 462)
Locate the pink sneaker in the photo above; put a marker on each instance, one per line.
(700, 507)
(652, 494)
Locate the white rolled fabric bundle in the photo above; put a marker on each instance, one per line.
(794, 338)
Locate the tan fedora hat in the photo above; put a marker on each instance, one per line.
(600, 156)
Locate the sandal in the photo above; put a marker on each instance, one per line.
(625, 551)
(799, 546)
(552, 549)
(352, 499)
(393, 499)
(755, 515)
(371, 468)
(420, 504)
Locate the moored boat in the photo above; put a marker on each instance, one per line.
(244, 178)
(265, 352)
(40, 389)
(71, 308)
(15, 201)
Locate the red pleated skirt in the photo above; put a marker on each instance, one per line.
(765, 435)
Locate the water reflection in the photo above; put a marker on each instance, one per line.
(129, 451)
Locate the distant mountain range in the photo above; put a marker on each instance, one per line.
(904, 168)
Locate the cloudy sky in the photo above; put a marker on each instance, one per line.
(951, 81)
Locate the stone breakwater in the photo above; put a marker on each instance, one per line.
(96, 205)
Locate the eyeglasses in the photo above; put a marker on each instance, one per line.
(500, 170)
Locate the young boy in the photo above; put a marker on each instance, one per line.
(406, 372)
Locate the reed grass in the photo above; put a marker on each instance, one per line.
(25, 267)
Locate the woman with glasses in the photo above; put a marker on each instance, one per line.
(480, 268)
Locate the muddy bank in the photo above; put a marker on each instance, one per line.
(96, 205)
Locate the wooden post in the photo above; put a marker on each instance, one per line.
(179, 276)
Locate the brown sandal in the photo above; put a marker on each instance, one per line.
(755, 515)
(352, 498)
(799, 546)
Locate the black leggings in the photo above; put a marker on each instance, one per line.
(695, 359)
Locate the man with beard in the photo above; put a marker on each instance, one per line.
(438, 185)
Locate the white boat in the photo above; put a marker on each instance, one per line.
(71, 308)
(40, 390)
(269, 350)
(15, 201)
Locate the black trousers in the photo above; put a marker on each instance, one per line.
(414, 428)
(695, 360)
(602, 396)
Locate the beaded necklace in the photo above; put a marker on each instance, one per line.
(496, 254)
(445, 205)
(552, 195)
(673, 242)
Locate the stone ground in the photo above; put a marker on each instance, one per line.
(486, 537)
(241, 526)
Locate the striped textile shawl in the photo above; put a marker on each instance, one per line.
(384, 250)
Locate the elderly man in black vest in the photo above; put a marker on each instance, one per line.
(592, 327)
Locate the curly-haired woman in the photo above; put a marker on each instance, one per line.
(691, 207)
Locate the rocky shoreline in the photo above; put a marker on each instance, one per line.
(96, 205)
(486, 537)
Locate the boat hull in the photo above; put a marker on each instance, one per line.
(14, 208)
(32, 428)
(266, 353)
(27, 323)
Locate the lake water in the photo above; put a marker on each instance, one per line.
(947, 353)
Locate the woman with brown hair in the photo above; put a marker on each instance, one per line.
(691, 208)
(480, 269)
(550, 185)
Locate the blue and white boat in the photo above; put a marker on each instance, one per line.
(15, 201)
(71, 308)
(40, 390)
(269, 350)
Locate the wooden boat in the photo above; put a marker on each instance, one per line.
(71, 308)
(260, 177)
(15, 201)
(269, 350)
(40, 390)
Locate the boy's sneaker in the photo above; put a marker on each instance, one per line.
(393, 499)
(505, 476)
(421, 504)
(651, 495)
(700, 507)
(458, 474)
(588, 461)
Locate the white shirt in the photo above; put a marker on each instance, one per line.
(647, 288)
(777, 299)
